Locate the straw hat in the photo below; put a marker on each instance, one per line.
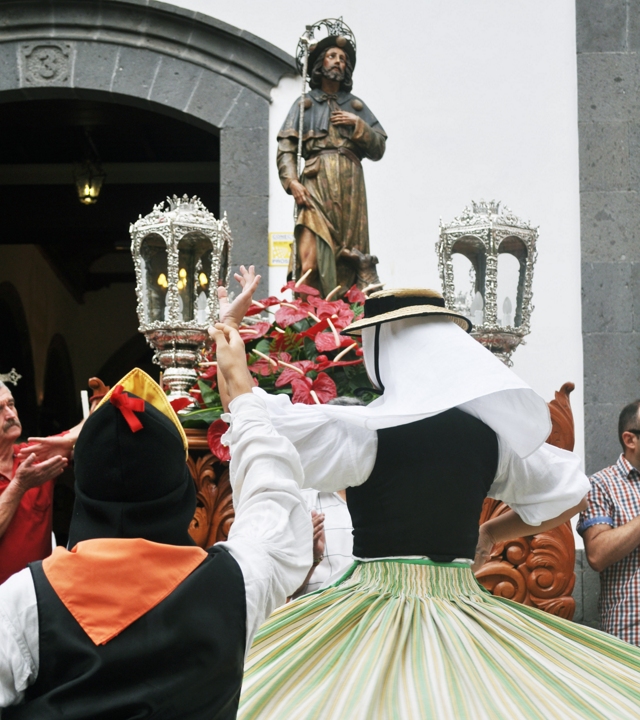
(387, 305)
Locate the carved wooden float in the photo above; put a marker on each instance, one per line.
(537, 570)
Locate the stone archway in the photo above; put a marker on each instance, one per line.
(166, 59)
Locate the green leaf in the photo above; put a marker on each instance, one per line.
(200, 418)
(310, 349)
(209, 397)
(263, 346)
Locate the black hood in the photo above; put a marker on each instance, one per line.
(131, 484)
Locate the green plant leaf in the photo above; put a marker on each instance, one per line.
(209, 397)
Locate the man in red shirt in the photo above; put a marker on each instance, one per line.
(26, 489)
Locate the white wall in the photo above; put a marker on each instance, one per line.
(478, 98)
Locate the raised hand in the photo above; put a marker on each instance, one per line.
(47, 447)
(232, 360)
(30, 475)
(233, 313)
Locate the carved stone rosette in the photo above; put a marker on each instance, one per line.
(482, 233)
(537, 570)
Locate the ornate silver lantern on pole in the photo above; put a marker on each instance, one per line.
(486, 258)
(181, 255)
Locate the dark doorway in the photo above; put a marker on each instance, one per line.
(15, 352)
(146, 156)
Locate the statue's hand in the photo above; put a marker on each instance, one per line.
(300, 194)
(340, 117)
(233, 313)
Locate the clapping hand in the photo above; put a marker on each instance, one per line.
(31, 474)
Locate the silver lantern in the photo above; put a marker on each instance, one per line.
(181, 254)
(486, 258)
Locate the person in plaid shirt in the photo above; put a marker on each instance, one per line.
(611, 529)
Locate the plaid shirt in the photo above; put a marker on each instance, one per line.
(614, 499)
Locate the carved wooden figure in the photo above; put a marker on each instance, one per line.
(537, 570)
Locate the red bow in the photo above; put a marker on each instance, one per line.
(127, 405)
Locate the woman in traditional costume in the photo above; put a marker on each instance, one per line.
(408, 632)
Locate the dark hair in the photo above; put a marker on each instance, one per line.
(628, 420)
(315, 78)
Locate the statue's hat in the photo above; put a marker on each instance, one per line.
(339, 34)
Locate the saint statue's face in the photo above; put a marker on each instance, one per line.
(334, 64)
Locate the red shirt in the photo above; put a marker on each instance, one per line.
(28, 536)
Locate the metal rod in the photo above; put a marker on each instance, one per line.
(305, 41)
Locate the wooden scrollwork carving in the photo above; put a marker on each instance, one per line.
(214, 503)
(538, 570)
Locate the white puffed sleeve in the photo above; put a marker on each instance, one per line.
(19, 642)
(271, 537)
(542, 486)
(335, 454)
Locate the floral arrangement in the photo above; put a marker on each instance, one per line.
(295, 349)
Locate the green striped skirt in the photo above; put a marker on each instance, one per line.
(398, 640)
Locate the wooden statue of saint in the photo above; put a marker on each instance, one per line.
(339, 131)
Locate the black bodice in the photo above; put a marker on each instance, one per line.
(425, 493)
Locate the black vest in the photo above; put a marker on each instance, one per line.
(183, 660)
(425, 493)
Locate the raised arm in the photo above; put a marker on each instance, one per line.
(271, 537)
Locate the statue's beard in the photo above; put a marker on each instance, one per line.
(333, 74)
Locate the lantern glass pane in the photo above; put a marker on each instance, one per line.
(154, 278)
(194, 277)
(464, 282)
(512, 263)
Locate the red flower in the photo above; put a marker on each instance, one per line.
(337, 311)
(266, 302)
(208, 373)
(301, 289)
(288, 374)
(253, 332)
(354, 295)
(324, 363)
(263, 367)
(180, 403)
(326, 341)
(292, 312)
(214, 434)
(323, 387)
(315, 329)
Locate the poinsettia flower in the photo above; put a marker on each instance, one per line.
(180, 403)
(304, 389)
(301, 289)
(326, 341)
(258, 306)
(214, 434)
(292, 312)
(290, 373)
(253, 332)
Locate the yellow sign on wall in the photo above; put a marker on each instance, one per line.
(280, 249)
